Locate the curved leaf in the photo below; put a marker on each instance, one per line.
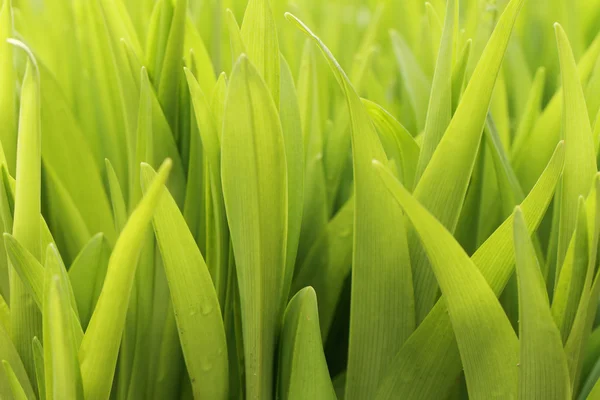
(487, 343)
(428, 364)
(254, 174)
(198, 317)
(302, 365)
(100, 346)
(543, 369)
(382, 303)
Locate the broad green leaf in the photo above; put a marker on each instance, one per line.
(99, 348)
(87, 274)
(543, 369)
(17, 390)
(303, 372)
(444, 182)
(254, 175)
(25, 317)
(580, 159)
(439, 111)
(487, 343)
(436, 371)
(569, 286)
(382, 311)
(61, 365)
(198, 317)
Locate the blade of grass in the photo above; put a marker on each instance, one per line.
(259, 33)
(382, 308)
(487, 343)
(580, 160)
(199, 317)
(444, 182)
(25, 317)
(87, 273)
(18, 393)
(254, 175)
(543, 369)
(428, 364)
(99, 348)
(61, 365)
(302, 365)
(439, 111)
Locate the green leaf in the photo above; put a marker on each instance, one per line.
(569, 286)
(198, 317)
(444, 182)
(414, 79)
(254, 174)
(29, 269)
(168, 80)
(194, 43)
(62, 374)
(87, 275)
(459, 74)
(436, 371)
(398, 143)
(235, 36)
(25, 317)
(543, 369)
(487, 343)
(218, 242)
(327, 265)
(382, 311)
(99, 348)
(38, 358)
(17, 390)
(259, 33)
(590, 294)
(531, 111)
(289, 114)
(8, 353)
(580, 159)
(439, 111)
(302, 365)
(117, 200)
(8, 99)
(532, 156)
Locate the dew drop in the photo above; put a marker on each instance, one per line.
(206, 366)
(206, 309)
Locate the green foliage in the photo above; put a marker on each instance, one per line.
(371, 199)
